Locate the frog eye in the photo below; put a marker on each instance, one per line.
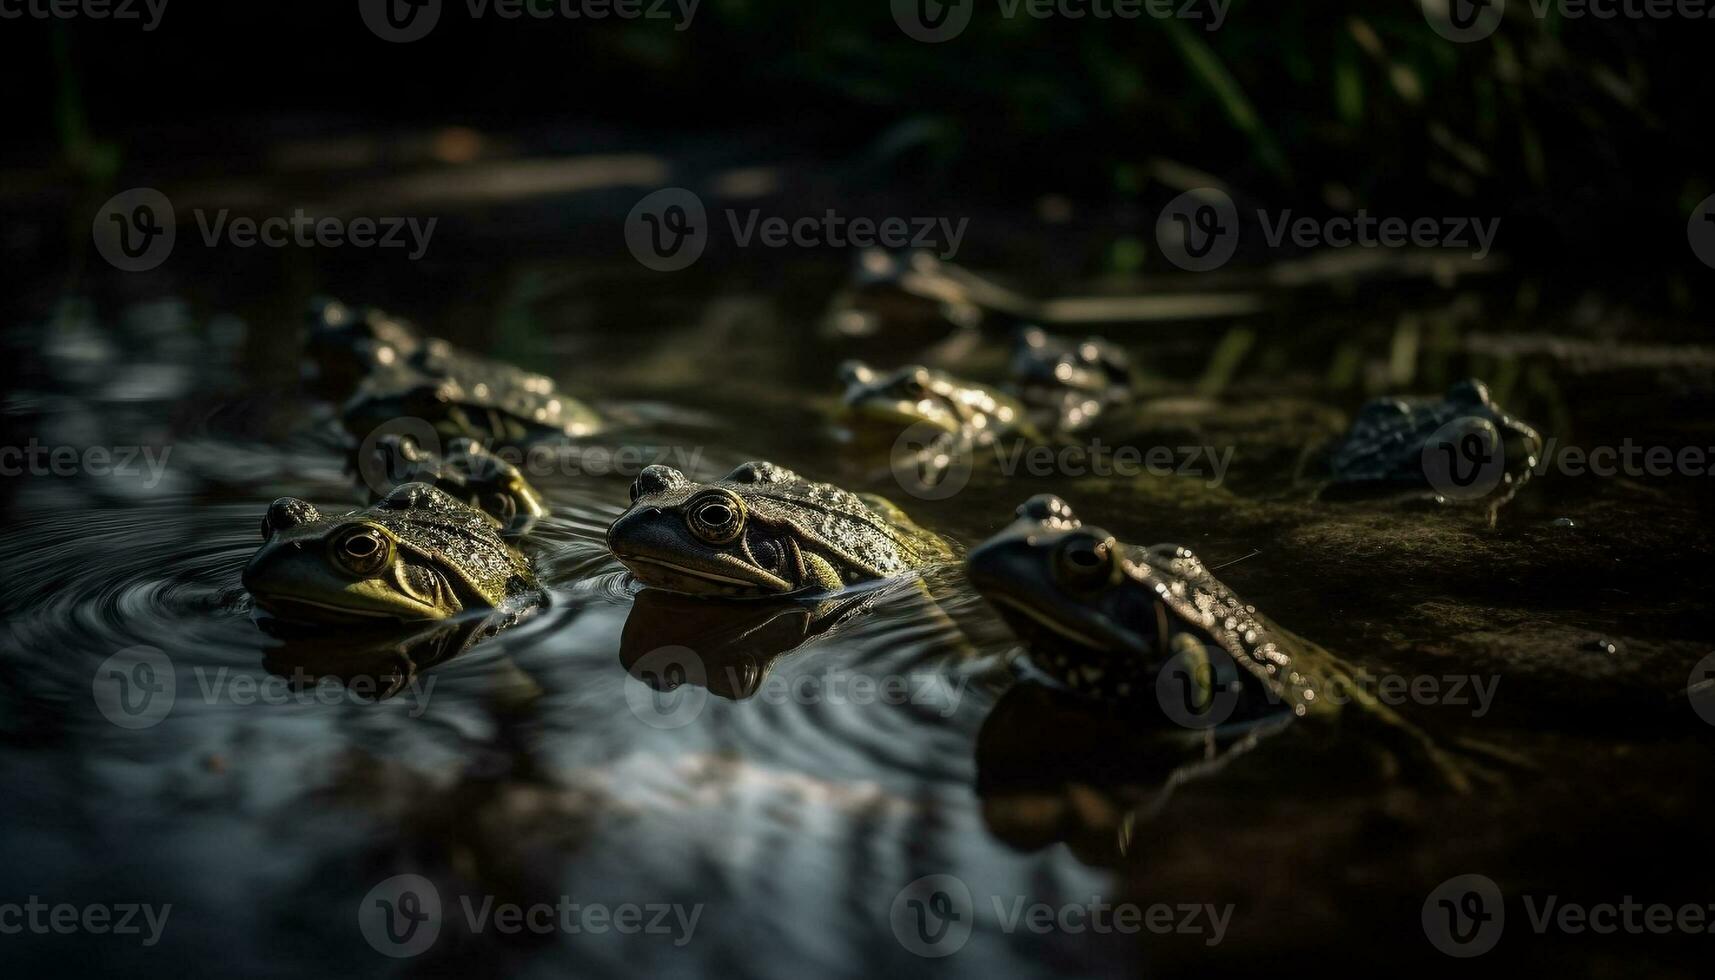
(717, 517)
(361, 549)
(1085, 563)
(287, 512)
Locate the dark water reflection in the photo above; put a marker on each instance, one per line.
(828, 755)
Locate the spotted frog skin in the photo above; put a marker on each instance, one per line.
(762, 530)
(1115, 622)
(416, 555)
(468, 473)
(390, 372)
(1385, 443)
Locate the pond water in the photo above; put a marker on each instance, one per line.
(772, 819)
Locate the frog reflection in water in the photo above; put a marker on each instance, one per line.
(1386, 443)
(736, 641)
(1153, 633)
(763, 531)
(417, 555)
(385, 371)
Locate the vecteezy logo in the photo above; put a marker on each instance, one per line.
(929, 465)
(1463, 916)
(667, 230)
(932, 916)
(1464, 459)
(1198, 686)
(668, 687)
(134, 231)
(1464, 20)
(932, 21)
(401, 916)
(135, 687)
(1701, 689)
(1701, 231)
(380, 464)
(400, 21)
(1198, 230)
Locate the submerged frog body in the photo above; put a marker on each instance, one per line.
(1151, 630)
(1073, 381)
(386, 371)
(762, 530)
(416, 555)
(1385, 444)
(468, 473)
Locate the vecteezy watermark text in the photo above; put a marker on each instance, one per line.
(1465, 915)
(1199, 231)
(934, 21)
(137, 688)
(402, 21)
(673, 682)
(149, 12)
(669, 229)
(935, 915)
(122, 462)
(929, 466)
(404, 915)
(136, 230)
(98, 919)
(1473, 20)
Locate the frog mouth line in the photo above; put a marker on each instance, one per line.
(763, 580)
(304, 609)
(1060, 629)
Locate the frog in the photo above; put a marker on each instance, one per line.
(386, 370)
(416, 555)
(1385, 445)
(764, 531)
(469, 472)
(916, 292)
(344, 345)
(1150, 633)
(939, 416)
(1074, 380)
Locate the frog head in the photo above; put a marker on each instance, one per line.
(416, 555)
(1062, 585)
(345, 345)
(888, 401)
(760, 531)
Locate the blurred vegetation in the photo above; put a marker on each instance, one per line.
(1585, 127)
(1585, 135)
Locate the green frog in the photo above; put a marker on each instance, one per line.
(468, 472)
(930, 416)
(763, 530)
(387, 371)
(416, 555)
(1152, 633)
